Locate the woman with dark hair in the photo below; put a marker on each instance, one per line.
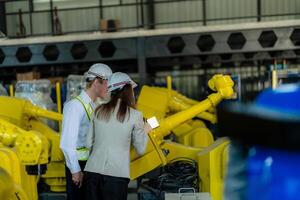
(115, 126)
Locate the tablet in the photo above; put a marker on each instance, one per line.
(153, 122)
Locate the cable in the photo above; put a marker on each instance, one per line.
(179, 173)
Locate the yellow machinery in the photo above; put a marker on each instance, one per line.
(167, 102)
(159, 152)
(9, 189)
(27, 145)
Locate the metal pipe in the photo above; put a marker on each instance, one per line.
(11, 90)
(274, 79)
(169, 85)
(58, 102)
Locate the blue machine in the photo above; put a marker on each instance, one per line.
(269, 131)
(274, 173)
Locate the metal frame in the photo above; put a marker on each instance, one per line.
(126, 49)
(155, 48)
(160, 44)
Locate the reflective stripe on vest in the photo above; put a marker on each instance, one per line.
(87, 107)
(83, 152)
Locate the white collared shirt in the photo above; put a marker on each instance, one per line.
(75, 126)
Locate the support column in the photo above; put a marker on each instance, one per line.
(258, 10)
(3, 18)
(142, 25)
(31, 9)
(141, 61)
(52, 17)
(101, 9)
(150, 14)
(204, 13)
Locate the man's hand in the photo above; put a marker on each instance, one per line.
(77, 178)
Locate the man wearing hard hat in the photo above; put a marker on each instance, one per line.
(77, 114)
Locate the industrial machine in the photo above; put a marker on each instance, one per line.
(211, 159)
(30, 149)
(167, 102)
(264, 157)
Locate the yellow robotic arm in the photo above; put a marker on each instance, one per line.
(19, 111)
(31, 146)
(158, 150)
(169, 100)
(34, 143)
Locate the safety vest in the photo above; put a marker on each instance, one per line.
(83, 152)
(89, 110)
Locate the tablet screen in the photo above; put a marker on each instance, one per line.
(153, 122)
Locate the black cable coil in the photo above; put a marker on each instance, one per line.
(179, 173)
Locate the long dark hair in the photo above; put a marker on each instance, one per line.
(127, 101)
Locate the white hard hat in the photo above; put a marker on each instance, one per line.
(99, 70)
(118, 80)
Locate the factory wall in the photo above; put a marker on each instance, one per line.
(181, 13)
